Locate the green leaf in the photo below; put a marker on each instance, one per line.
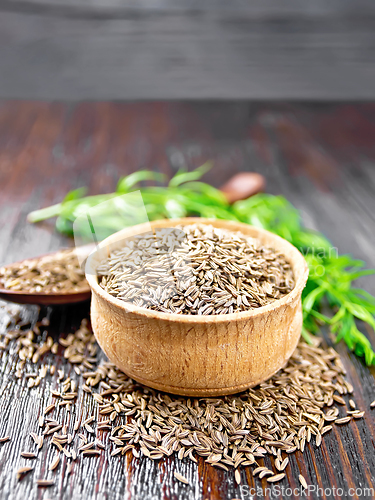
(319, 316)
(196, 174)
(306, 336)
(126, 183)
(75, 194)
(312, 297)
(174, 209)
(205, 192)
(361, 313)
(64, 226)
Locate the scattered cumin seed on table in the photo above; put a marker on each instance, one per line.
(303, 481)
(22, 471)
(352, 404)
(358, 414)
(265, 472)
(28, 454)
(233, 431)
(343, 420)
(276, 477)
(43, 483)
(55, 462)
(237, 476)
(180, 478)
(284, 463)
(95, 453)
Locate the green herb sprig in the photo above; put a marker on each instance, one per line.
(331, 275)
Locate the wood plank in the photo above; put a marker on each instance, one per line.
(267, 8)
(63, 52)
(320, 156)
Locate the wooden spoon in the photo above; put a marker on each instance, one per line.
(45, 299)
(240, 186)
(59, 298)
(243, 185)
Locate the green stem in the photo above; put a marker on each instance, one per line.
(45, 213)
(306, 336)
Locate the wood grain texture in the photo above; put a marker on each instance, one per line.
(266, 8)
(322, 157)
(272, 50)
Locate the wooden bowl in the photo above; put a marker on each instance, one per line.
(198, 355)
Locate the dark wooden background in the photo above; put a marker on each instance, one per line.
(187, 49)
(320, 156)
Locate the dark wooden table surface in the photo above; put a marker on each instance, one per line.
(163, 49)
(321, 156)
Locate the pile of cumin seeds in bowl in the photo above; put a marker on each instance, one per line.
(93, 407)
(55, 273)
(196, 269)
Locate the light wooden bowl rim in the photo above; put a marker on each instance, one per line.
(297, 260)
